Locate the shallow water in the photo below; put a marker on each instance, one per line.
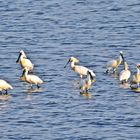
(50, 32)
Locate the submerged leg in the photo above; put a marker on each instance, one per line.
(114, 70)
(86, 91)
(122, 82)
(38, 86)
(107, 71)
(6, 92)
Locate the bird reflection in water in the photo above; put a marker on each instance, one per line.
(76, 83)
(86, 95)
(34, 90)
(135, 88)
(4, 97)
(114, 75)
(125, 85)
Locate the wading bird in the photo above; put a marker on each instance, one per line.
(112, 65)
(4, 86)
(136, 77)
(31, 79)
(85, 85)
(24, 62)
(124, 74)
(81, 70)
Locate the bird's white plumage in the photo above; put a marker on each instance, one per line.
(24, 62)
(125, 74)
(81, 70)
(23, 53)
(4, 85)
(136, 77)
(31, 79)
(85, 84)
(113, 64)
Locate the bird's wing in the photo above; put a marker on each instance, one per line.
(111, 64)
(34, 79)
(125, 74)
(5, 85)
(27, 63)
(81, 70)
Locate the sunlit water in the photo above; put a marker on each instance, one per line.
(50, 32)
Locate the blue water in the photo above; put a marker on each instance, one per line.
(50, 32)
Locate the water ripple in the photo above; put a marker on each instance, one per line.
(50, 32)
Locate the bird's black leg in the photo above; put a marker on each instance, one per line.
(86, 90)
(6, 92)
(114, 71)
(138, 85)
(107, 71)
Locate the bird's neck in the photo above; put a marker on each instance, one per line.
(138, 71)
(26, 73)
(119, 60)
(72, 65)
(21, 57)
(125, 66)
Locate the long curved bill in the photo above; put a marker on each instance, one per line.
(18, 58)
(66, 64)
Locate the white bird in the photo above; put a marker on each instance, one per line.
(85, 85)
(136, 77)
(113, 64)
(81, 70)
(4, 86)
(125, 74)
(31, 79)
(24, 62)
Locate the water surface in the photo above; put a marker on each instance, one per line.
(50, 32)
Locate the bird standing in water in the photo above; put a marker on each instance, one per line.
(125, 74)
(112, 65)
(136, 77)
(31, 79)
(4, 86)
(85, 85)
(24, 62)
(81, 70)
